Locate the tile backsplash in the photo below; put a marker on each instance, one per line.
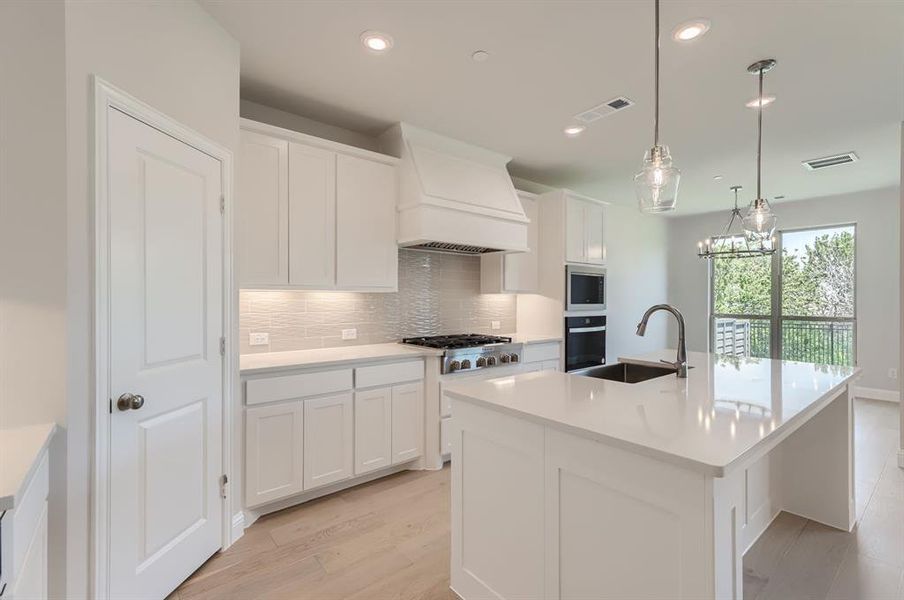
(438, 293)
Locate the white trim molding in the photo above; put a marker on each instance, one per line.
(877, 394)
(107, 96)
(901, 458)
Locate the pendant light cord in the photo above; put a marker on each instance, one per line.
(759, 139)
(656, 69)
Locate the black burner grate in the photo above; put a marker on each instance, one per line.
(464, 340)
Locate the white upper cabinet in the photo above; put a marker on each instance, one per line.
(314, 214)
(584, 231)
(263, 210)
(515, 272)
(366, 248)
(312, 217)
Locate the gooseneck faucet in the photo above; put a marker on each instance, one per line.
(680, 365)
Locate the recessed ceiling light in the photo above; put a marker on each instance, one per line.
(480, 56)
(690, 30)
(376, 42)
(717, 178)
(574, 130)
(755, 103)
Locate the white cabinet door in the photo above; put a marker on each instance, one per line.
(575, 231)
(407, 421)
(31, 582)
(273, 451)
(520, 269)
(263, 211)
(516, 272)
(549, 365)
(532, 367)
(584, 231)
(328, 440)
(366, 247)
(312, 217)
(594, 222)
(373, 430)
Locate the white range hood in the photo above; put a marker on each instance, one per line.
(454, 197)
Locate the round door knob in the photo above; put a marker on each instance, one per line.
(130, 402)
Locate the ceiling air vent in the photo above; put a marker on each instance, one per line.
(829, 161)
(604, 110)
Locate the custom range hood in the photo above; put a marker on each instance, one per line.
(454, 197)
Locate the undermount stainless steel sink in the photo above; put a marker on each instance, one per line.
(626, 372)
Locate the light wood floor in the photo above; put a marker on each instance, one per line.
(389, 539)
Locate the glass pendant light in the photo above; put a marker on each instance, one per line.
(759, 222)
(656, 184)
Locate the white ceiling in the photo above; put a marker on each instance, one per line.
(839, 83)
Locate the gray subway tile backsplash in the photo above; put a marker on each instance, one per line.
(438, 293)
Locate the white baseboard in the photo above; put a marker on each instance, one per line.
(238, 526)
(877, 394)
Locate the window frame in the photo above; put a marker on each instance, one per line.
(777, 318)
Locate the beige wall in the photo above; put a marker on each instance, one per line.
(878, 308)
(173, 56)
(32, 213)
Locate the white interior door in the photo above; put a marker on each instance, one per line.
(166, 320)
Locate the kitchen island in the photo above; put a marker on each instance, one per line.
(573, 487)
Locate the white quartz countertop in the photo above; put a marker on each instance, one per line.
(724, 411)
(20, 449)
(530, 338)
(280, 361)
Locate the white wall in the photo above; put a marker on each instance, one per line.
(636, 265)
(33, 238)
(172, 55)
(876, 214)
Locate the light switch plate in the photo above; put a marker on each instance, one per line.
(892, 373)
(495, 325)
(258, 339)
(349, 334)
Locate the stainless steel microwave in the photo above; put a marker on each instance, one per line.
(585, 288)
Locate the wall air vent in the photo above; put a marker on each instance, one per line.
(829, 161)
(603, 110)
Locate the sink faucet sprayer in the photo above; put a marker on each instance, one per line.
(680, 365)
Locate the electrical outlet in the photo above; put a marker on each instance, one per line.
(258, 339)
(349, 334)
(892, 373)
(495, 325)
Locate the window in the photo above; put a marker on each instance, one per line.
(798, 304)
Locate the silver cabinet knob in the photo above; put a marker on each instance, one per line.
(130, 401)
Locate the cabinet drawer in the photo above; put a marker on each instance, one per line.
(288, 387)
(388, 374)
(540, 352)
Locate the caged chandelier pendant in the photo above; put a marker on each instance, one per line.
(734, 243)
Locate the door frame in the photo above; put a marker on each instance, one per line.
(106, 97)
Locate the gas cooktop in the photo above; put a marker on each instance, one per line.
(461, 340)
(470, 351)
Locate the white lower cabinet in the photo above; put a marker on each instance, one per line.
(328, 440)
(373, 430)
(31, 583)
(407, 422)
(273, 451)
(309, 428)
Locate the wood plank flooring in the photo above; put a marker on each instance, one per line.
(389, 539)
